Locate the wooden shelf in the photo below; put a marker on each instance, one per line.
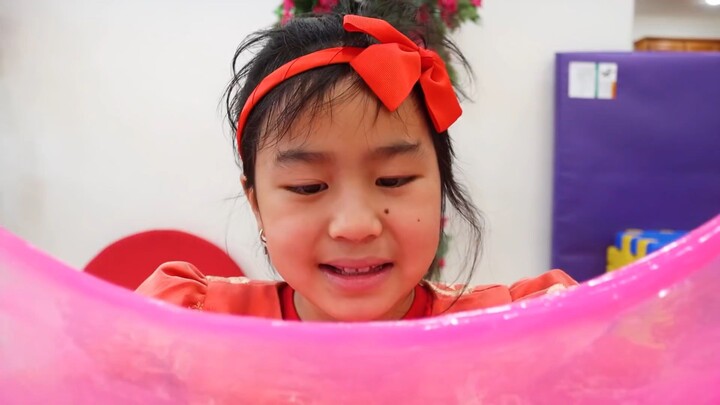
(678, 45)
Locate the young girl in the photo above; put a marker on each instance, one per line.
(341, 125)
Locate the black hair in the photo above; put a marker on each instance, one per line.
(309, 92)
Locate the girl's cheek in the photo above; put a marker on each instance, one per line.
(418, 224)
(292, 224)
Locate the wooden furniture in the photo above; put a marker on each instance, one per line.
(678, 45)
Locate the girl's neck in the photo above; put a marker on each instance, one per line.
(309, 312)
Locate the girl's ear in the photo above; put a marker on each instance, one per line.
(252, 200)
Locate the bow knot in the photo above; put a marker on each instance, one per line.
(393, 67)
(426, 59)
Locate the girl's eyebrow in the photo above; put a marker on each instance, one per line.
(300, 155)
(395, 149)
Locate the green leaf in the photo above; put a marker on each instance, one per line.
(304, 6)
(466, 11)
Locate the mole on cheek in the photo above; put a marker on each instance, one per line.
(387, 211)
(418, 219)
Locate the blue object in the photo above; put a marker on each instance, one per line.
(660, 239)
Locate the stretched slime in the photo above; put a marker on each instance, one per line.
(649, 333)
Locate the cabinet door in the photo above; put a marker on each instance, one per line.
(702, 46)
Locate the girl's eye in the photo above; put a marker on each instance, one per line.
(393, 182)
(308, 189)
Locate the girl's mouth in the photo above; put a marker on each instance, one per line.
(356, 271)
(357, 276)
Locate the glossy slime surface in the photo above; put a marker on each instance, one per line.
(649, 333)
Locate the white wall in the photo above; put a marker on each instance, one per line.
(110, 125)
(111, 122)
(505, 139)
(677, 26)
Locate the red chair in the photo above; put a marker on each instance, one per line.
(132, 259)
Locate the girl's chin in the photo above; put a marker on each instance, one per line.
(363, 310)
(370, 316)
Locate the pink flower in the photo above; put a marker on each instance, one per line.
(441, 263)
(423, 15)
(325, 6)
(476, 3)
(287, 16)
(288, 6)
(448, 6)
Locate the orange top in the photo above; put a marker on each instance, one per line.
(183, 284)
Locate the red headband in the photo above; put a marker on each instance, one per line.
(390, 68)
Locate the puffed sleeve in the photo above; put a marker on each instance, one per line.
(551, 281)
(178, 283)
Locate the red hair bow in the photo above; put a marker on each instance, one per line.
(390, 69)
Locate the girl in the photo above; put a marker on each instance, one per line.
(341, 125)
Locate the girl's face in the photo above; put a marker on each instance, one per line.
(350, 206)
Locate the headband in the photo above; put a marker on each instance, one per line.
(390, 69)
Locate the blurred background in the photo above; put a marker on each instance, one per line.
(111, 124)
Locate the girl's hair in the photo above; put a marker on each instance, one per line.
(312, 92)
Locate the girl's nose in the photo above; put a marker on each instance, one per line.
(355, 219)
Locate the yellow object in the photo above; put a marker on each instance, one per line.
(617, 258)
(634, 244)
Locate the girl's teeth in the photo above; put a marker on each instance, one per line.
(355, 270)
(358, 270)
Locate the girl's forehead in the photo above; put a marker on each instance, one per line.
(358, 119)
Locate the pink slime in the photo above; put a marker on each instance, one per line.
(649, 333)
